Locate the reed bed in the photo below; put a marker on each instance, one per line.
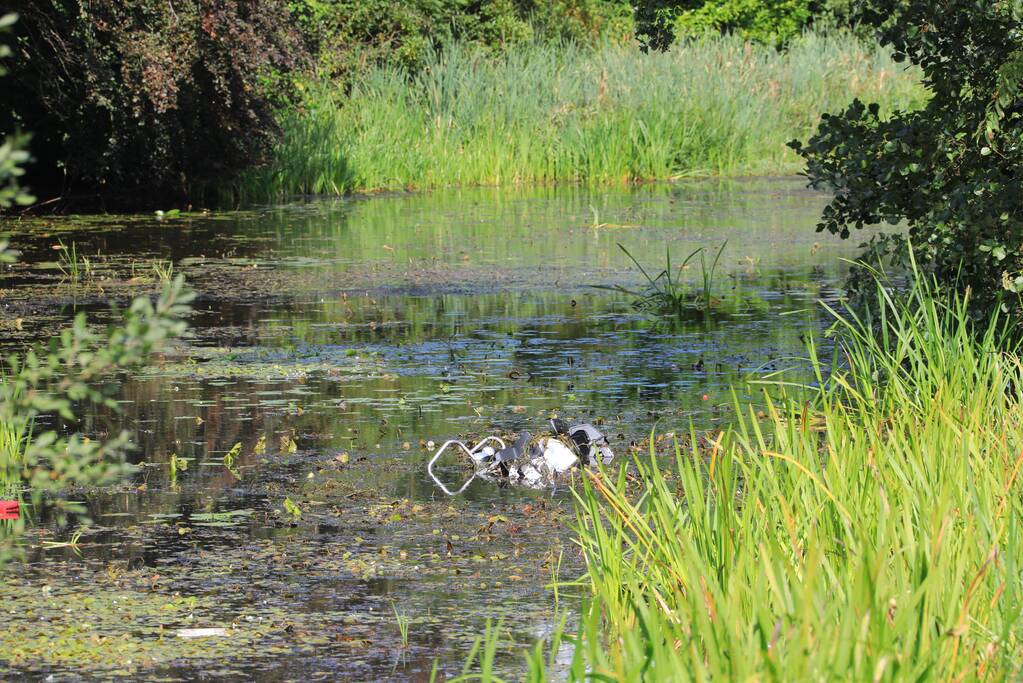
(868, 530)
(550, 113)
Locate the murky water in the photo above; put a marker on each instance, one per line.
(332, 341)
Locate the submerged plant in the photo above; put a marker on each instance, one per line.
(482, 657)
(71, 543)
(403, 621)
(164, 271)
(175, 464)
(292, 509)
(229, 460)
(14, 439)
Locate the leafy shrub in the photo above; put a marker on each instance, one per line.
(148, 99)
(584, 21)
(950, 171)
(349, 35)
(773, 22)
(50, 380)
(12, 153)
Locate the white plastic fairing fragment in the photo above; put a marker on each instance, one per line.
(484, 454)
(558, 456)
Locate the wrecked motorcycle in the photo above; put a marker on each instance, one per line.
(533, 462)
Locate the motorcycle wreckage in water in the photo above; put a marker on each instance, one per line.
(534, 462)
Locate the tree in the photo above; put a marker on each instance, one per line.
(13, 155)
(774, 22)
(951, 171)
(147, 101)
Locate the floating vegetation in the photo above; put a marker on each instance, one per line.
(229, 518)
(395, 557)
(320, 366)
(64, 626)
(266, 363)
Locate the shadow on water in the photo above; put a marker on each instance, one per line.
(332, 341)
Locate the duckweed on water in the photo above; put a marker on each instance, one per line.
(325, 584)
(105, 628)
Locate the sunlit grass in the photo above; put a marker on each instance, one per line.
(545, 113)
(870, 533)
(15, 436)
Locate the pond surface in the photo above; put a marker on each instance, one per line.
(331, 342)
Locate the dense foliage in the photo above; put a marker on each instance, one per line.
(12, 153)
(148, 98)
(951, 170)
(349, 35)
(150, 102)
(770, 21)
(773, 22)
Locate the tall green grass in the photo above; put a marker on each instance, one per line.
(872, 533)
(547, 113)
(15, 436)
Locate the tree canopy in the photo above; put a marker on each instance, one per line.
(950, 171)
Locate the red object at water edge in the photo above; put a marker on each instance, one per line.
(9, 509)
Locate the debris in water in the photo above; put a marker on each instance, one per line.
(9, 509)
(535, 462)
(201, 632)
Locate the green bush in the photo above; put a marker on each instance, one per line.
(951, 171)
(773, 22)
(350, 35)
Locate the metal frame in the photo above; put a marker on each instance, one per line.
(468, 451)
